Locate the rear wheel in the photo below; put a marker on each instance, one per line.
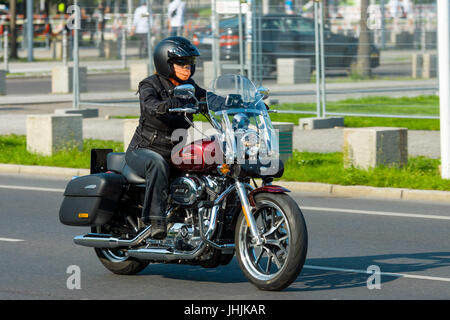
(277, 262)
(118, 262)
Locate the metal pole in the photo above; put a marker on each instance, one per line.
(215, 44)
(123, 49)
(64, 47)
(443, 15)
(322, 61)
(5, 50)
(383, 25)
(76, 79)
(149, 39)
(317, 58)
(249, 38)
(241, 41)
(30, 31)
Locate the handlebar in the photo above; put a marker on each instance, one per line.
(188, 108)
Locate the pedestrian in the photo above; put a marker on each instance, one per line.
(289, 7)
(176, 12)
(141, 26)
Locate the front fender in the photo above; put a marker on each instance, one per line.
(270, 189)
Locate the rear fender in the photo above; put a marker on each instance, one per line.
(269, 189)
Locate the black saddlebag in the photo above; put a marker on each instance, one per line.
(91, 200)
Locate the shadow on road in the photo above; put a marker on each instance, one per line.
(311, 279)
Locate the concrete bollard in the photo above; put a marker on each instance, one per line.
(424, 65)
(49, 133)
(285, 139)
(320, 123)
(129, 127)
(374, 146)
(429, 68)
(2, 82)
(208, 73)
(111, 50)
(138, 72)
(62, 79)
(416, 65)
(292, 71)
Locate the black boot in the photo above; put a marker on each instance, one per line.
(159, 228)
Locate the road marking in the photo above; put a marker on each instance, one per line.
(391, 274)
(11, 240)
(31, 188)
(379, 213)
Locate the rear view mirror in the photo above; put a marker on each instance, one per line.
(263, 92)
(184, 91)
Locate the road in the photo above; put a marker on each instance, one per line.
(407, 241)
(120, 81)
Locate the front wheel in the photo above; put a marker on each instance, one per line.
(277, 262)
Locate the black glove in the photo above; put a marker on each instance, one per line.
(169, 104)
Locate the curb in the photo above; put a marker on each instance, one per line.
(304, 187)
(42, 170)
(366, 191)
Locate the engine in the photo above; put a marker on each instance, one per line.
(187, 190)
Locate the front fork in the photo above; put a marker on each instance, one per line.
(247, 210)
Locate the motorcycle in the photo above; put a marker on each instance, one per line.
(214, 212)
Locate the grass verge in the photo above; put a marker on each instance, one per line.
(14, 150)
(420, 105)
(420, 173)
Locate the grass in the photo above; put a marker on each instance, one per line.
(420, 173)
(14, 150)
(420, 105)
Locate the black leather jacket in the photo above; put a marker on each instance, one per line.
(155, 128)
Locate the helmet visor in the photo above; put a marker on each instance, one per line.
(183, 61)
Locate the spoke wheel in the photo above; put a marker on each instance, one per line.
(276, 262)
(117, 261)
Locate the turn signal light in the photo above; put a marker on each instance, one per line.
(83, 215)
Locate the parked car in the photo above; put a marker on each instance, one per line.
(285, 36)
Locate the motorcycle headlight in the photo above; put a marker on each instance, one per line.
(250, 143)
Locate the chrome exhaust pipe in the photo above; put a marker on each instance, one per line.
(97, 240)
(161, 254)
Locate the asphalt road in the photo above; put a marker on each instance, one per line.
(120, 81)
(407, 241)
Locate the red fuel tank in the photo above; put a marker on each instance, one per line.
(199, 156)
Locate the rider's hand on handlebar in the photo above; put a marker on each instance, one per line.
(169, 104)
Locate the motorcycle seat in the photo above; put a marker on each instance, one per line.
(115, 161)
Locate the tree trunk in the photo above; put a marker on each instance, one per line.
(13, 29)
(363, 61)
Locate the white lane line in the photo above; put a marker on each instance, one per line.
(2, 186)
(11, 240)
(379, 213)
(399, 275)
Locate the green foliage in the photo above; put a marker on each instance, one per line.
(419, 173)
(14, 150)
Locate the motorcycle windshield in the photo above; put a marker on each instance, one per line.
(238, 113)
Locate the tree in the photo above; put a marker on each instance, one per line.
(13, 29)
(362, 67)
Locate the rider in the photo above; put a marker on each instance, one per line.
(150, 148)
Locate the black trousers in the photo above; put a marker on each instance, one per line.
(156, 170)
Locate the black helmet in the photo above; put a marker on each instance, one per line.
(172, 49)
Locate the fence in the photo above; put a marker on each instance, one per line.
(273, 47)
